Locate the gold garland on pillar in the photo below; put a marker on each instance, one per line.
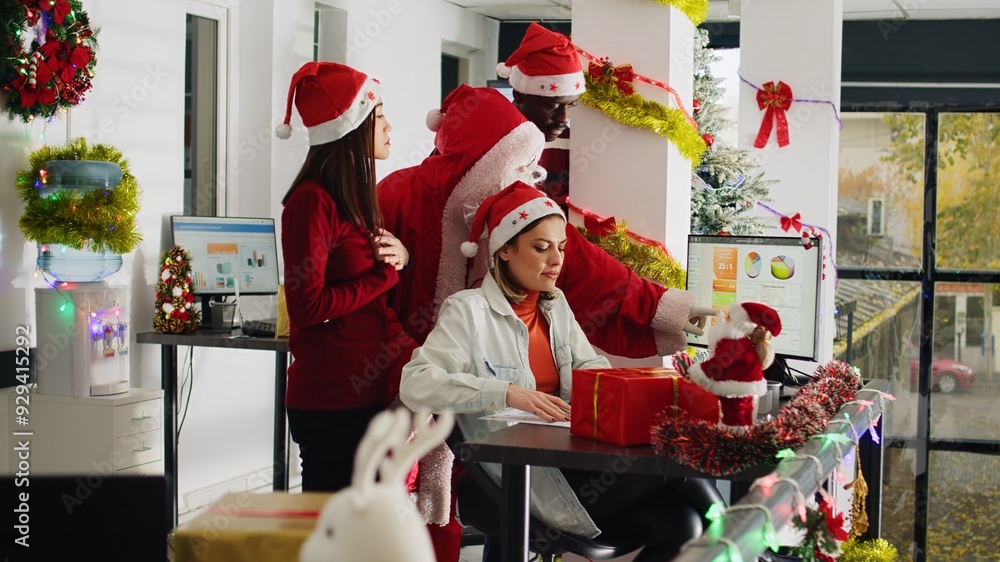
(695, 10)
(645, 260)
(636, 111)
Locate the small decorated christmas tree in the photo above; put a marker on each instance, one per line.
(175, 312)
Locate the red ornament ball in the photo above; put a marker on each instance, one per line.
(696, 104)
(709, 139)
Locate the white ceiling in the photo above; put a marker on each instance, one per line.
(728, 10)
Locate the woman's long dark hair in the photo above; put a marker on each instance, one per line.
(346, 170)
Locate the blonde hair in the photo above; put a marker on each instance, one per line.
(500, 270)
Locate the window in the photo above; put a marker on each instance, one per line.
(205, 110)
(936, 335)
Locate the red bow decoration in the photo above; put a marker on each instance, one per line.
(598, 226)
(621, 76)
(776, 98)
(794, 221)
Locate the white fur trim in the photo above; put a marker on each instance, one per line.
(514, 221)
(554, 86)
(503, 71)
(362, 104)
(434, 485)
(521, 146)
(283, 131)
(673, 311)
(668, 343)
(434, 119)
(470, 249)
(727, 389)
(742, 325)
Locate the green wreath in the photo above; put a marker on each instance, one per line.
(99, 220)
(55, 70)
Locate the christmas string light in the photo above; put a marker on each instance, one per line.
(769, 534)
(673, 93)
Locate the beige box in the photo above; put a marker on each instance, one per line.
(248, 527)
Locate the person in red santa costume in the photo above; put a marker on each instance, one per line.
(740, 350)
(484, 143)
(547, 79)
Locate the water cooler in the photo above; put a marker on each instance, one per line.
(82, 338)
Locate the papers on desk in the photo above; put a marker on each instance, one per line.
(513, 416)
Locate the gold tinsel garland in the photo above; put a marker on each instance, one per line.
(695, 10)
(99, 220)
(644, 260)
(874, 550)
(636, 111)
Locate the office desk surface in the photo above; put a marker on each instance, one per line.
(537, 445)
(206, 338)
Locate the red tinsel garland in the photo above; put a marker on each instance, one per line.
(719, 450)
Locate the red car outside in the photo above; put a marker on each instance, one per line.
(947, 375)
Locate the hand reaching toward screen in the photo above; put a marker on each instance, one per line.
(545, 406)
(698, 318)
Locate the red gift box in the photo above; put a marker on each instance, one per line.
(619, 406)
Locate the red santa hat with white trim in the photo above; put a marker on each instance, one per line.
(332, 100)
(749, 315)
(506, 213)
(545, 64)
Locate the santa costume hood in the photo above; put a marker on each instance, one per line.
(480, 138)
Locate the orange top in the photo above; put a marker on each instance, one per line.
(540, 360)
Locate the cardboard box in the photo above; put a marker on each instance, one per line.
(248, 527)
(619, 406)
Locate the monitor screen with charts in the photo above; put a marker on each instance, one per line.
(777, 271)
(226, 251)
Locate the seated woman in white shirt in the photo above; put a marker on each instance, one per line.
(513, 342)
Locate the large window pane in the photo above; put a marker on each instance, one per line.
(966, 402)
(968, 203)
(963, 507)
(880, 204)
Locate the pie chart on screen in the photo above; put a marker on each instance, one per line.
(782, 267)
(752, 264)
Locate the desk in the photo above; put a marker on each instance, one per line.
(524, 445)
(168, 376)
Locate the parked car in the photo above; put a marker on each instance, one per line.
(947, 375)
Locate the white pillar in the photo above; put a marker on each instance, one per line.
(616, 170)
(799, 43)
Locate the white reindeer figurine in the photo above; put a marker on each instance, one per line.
(375, 520)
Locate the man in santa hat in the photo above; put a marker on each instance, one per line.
(740, 350)
(547, 79)
(482, 143)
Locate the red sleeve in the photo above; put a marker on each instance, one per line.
(309, 226)
(613, 305)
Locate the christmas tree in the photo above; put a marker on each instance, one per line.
(726, 186)
(175, 312)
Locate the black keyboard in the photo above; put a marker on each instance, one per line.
(260, 328)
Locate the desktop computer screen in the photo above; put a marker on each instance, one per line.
(776, 271)
(226, 251)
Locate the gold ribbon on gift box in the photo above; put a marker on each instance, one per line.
(652, 371)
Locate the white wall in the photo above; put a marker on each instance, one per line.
(137, 105)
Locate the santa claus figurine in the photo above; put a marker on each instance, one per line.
(740, 349)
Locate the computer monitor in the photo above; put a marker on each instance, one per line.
(226, 251)
(777, 271)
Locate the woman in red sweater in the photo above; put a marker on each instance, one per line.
(339, 263)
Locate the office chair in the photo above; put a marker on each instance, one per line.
(479, 499)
